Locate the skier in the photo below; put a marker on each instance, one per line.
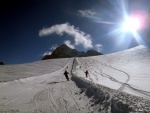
(86, 73)
(66, 75)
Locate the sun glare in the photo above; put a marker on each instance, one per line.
(131, 24)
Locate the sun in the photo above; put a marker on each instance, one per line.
(131, 24)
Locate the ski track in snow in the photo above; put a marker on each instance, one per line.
(104, 74)
(88, 64)
(49, 92)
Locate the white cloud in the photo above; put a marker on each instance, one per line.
(79, 36)
(47, 53)
(50, 50)
(68, 43)
(54, 47)
(99, 47)
(86, 13)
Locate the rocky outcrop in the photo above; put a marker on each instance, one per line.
(92, 53)
(1, 63)
(64, 51)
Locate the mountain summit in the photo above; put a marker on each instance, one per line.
(63, 51)
(1, 63)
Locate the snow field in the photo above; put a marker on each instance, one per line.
(126, 71)
(40, 87)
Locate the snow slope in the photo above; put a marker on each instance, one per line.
(13, 72)
(127, 71)
(47, 93)
(40, 87)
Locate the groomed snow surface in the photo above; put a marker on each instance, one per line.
(117, 83)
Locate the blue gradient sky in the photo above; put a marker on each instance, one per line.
(95, 20)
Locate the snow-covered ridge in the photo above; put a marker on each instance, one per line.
(111, 101)
(13, 72)
(140, 53)
(126, 71)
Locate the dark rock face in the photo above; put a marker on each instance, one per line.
(64, 51)
(1, 63)
(92, 53)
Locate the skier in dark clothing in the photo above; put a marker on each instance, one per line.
(66, 75)
(86, 73)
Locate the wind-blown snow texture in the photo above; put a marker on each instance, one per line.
(117, 83)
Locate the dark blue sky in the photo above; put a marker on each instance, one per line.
(82, 24)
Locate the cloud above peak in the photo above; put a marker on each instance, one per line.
(47, 53)
(54, 47)
(99, 47)
(51, 49)
(86, 13)
(80, 38)
(68, 43)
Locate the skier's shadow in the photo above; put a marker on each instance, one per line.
(56, 82)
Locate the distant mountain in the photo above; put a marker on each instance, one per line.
(1, 63)
(92, 53)
(64, 51)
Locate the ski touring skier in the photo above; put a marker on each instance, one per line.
(86, 73)
(66, 75)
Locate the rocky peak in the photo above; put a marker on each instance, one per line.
(1, 63)
(63, 51)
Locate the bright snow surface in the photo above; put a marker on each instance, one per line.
(41, 92)
(127, 71)
(40, 87)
